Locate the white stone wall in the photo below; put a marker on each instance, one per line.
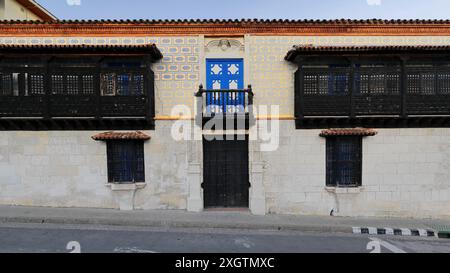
(56, 168)
(69, 169)
(165, 171)
(406, 173)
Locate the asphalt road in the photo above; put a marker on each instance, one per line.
(52, 238)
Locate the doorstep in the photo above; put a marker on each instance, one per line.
(226, 210)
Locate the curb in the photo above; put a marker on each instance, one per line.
(395, 231)
(164, 223)
(176, 224)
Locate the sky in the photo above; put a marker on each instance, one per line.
(237, 9)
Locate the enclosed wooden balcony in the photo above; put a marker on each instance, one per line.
(94, 86)
(381, 86)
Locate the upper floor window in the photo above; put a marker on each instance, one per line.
(22, 77)
(122, 84)
(365, 79)
(326, 81)
(122, 77)
(428, 79)
(73, 76)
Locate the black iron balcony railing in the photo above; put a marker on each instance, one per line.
(224, 102)
(226, 109)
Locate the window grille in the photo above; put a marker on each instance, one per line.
(6, 85)
(344, 161)
(122, 84)
(428, 80)
(57, 84)
(125, 161)
(36, 85)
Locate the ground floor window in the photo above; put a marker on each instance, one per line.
(125, 161)
(344, 161)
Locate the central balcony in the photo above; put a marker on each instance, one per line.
(226, 108)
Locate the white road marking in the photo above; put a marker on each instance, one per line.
(422, 232)
(74, 246)
(389, 246)
(406, 232)
(373, 231)
(375, 246)
(389, 231)
(356, 230)
(132, 250)
(245, 242)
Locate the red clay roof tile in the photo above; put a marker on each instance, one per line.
(348, 132)
(241, 21)
(308, 49)
(138, 135)
(151, 49)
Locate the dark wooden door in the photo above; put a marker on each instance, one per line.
(225, 173)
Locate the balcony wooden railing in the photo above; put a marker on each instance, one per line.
(384, 91)
(72, 106)
(76, 95)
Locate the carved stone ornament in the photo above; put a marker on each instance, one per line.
(224, 45)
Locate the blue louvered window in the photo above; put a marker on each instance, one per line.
(122, 84)
(225, 74)
(125, 161)
(338, 80)
(344, 161)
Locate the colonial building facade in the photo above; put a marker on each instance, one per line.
(340, 117)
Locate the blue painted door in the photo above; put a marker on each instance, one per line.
(225, 74)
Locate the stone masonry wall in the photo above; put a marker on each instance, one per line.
(69, 169)
(406, 173)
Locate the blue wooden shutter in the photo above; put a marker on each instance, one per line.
(225, 74)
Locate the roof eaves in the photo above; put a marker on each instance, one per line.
(246, 21)
(309, 49)
(152, 49)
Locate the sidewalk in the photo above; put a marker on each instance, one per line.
(235, 220)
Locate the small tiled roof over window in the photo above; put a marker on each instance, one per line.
(138, 135)
(348, 132)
